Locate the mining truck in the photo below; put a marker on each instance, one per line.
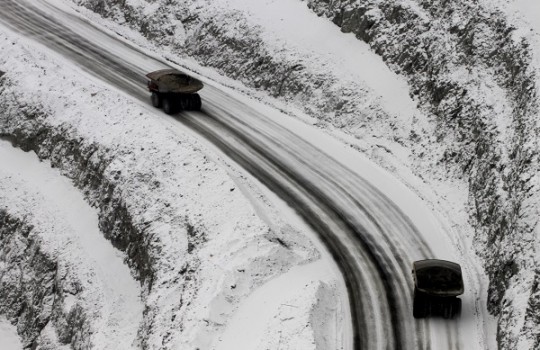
(174, 91)
(437, 285)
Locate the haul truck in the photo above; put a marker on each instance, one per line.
(437, 285)
(174, 91)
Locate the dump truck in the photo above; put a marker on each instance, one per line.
(437, 285)
(174, 91)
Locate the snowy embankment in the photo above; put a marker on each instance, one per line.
(466, 65)
(189, 236)
(58, 271)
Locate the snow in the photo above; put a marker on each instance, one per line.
(437, 209)
(530, 10)
(525, 18)
(526, 15)
(9, 340)
(251, 327)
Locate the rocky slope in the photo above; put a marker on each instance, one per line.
(32, 298)
(50, 287)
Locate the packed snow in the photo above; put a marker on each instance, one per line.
(9, 340)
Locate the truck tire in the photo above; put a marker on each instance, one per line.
(196, 104)
(156, 99)
(420, 306)
(186, 103)
(168, 106)
(452, 308)
(448, 311)
(183, 103)
(456, 308)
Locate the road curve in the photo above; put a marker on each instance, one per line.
(371, 239)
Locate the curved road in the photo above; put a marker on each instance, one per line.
(371, 239)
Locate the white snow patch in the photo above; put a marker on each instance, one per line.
(9, 339)
(277, 312)
(525, 16)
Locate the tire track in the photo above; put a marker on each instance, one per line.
(393, 276)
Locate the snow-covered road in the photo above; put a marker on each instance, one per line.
(369, 227)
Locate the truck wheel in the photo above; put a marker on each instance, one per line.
(182, 103)
(156, 100)
(420, 306)
(196, 105)
(187, 102)
(447, 311)
(456, 307)
(168, 106)
(452, 308)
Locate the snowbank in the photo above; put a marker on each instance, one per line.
(8, 334)
(284, 317)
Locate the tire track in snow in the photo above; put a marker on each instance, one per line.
(111, 292)
(351, 244)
